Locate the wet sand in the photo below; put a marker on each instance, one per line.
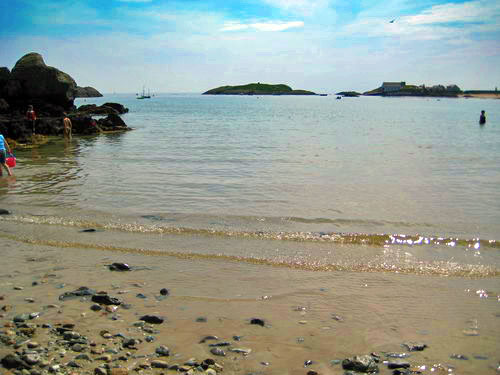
(323, 317)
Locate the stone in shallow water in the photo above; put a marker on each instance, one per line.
(3, 211)
(164, 292)
(206, 338)
(257, 321)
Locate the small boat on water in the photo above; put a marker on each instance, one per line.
(339, 97)
(144, 96)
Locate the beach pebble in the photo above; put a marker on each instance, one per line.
(140, 295)
(17, 287)
(30, 300)
(201, 319)
(257, 321)
(104, 299)
(398, 364)
(159, 364)
(415, 346)
(218, 351)
(96, 307)
(164, 292)
(206, 338)
(308, 363)
(105, 358)
(100, 371)
(32, 344)
(210, 371)
(162, 351)
(360, 363)
(119, 267)
(32, 358)
(224, 343)
(4, 211)
(152, 319)
(83, 357)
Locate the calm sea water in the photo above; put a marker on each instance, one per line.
(377, 171)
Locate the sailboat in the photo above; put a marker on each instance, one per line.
(144, 96)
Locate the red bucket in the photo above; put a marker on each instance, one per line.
(11, 161)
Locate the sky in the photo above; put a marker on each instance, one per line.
(319, 45)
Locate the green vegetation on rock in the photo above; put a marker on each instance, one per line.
(257, 89)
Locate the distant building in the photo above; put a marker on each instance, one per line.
(392, 86)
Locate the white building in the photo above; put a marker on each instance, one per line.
(392, 86)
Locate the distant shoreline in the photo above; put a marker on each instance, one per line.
(480, 96)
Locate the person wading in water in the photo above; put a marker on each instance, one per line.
(67, 127)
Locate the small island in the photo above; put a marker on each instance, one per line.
(257, 89)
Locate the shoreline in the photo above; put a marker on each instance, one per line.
(213, 298)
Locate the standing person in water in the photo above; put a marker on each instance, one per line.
(482, 118)
(31, 116)
(67, 126)
(4, 146)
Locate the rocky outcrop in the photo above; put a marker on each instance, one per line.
(87, 92)
(105, 109)
(257, 89)
(51, 92)
(39, 83)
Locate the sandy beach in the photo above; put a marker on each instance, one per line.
(267, 320)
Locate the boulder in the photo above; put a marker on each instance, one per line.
(39, 81)
(112, 122)
(87, 92)
(117, 106)
(97, 110)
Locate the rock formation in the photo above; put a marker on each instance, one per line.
(87, 92)
(51, 92)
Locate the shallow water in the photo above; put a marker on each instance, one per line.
(382, 211)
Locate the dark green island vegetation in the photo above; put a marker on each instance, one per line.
(257, 89)
(351, 94)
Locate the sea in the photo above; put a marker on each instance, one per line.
(379, 217)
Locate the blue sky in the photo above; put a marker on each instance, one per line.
(319, 45)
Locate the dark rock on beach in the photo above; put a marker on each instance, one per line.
(104, 299)
(258, 322)
(119, 267)
(153, 319)
(4, 212)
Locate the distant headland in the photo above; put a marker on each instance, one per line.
(257, 89)
(450, 91)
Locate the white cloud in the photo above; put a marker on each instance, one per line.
(304, 7)
(474, 11)
(262, 26)
(440, 22)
